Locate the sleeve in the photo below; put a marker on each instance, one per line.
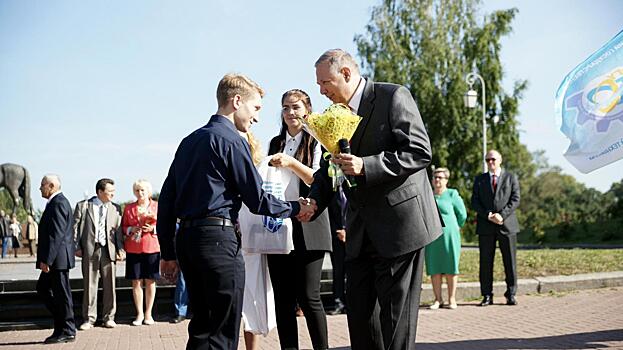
(513, 201)
(412, 152)
(249, 184)
(322, 188)
(119, 241)
(125, 220)
(78, 225)
(317, 156)
(166, 218)
(58, 225)
(459, 208)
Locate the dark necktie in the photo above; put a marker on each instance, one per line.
(494, 183)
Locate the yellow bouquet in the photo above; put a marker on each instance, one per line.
(335, 123)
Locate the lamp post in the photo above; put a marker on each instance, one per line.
(470, 99)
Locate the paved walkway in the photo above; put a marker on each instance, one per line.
(588, 319)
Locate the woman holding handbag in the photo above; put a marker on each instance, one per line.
(296, 276)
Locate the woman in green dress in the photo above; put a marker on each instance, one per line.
(442, 255)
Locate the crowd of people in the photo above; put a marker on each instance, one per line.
(380, 231)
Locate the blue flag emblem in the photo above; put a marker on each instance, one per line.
(589, 101)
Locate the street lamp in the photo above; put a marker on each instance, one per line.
(470, 99)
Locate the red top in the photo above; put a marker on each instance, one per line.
(149, 240)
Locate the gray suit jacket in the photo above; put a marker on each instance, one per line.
(85, 228)
(393, 202)
(505, 201)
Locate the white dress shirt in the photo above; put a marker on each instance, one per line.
(355, 101)
(290, 147)
(100, 210)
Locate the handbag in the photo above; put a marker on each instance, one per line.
(264, 234)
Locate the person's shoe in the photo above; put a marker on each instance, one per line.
(177, 319)
(63, 338)
(486, 300)
(110, 324)
(340, 308)
(85, 326)
(138, 321)
(510, 300)
(148, 321)
(435, 305)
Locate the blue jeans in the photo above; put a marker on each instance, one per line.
(181, 296)
(6, 241)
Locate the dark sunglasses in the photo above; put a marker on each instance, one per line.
(490, 159)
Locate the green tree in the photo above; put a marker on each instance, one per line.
(429, 46)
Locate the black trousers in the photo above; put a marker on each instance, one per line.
(383, 296)
(337, 262)
(296, 278)
(213, 268)
(54, 289)
(508, 248)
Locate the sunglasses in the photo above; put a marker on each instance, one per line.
(490, 159)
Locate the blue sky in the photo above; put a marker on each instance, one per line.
(108, 89)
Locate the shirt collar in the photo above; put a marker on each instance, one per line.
(97, 201)
(497, 173)
(53, 195)
(297, 138)
(355, 101)
(217, 118)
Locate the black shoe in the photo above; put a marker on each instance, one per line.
(177, 319)
(510, 300)
(63, 338)
(340, 308)
(486, 300)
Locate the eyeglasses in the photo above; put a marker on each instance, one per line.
(490, 159)
(439, 177)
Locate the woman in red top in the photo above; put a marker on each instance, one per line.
(142, 248)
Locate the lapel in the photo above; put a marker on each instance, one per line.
(94, 218)
(500, 184)
(110, 215)
(366, 106)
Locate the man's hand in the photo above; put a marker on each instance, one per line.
(169, 269)
(120, 255)
(44, 267)
(308, 209)
(341, 235)
(281, 160)
(495, 218)
(350, 164)
(79, 253)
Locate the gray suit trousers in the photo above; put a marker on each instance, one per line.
(99, 264)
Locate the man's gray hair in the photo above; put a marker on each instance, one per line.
(338, 58)
(53, 179)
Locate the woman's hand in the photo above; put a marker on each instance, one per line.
(148, 228)
(282, 160)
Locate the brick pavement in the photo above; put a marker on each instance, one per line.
(588, 319)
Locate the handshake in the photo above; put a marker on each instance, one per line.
(308, 209)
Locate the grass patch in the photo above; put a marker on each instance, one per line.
(544, 262)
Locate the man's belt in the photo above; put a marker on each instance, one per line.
(207, 221)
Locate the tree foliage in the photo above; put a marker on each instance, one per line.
(429, 46)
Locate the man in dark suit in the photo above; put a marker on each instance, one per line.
(392, 213)
(55, 257)
(495, 198)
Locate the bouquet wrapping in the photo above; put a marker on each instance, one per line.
(329, 127)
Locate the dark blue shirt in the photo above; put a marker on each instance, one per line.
(211, 175)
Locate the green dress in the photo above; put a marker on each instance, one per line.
(442, 255)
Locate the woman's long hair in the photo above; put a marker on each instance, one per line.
(305, 152)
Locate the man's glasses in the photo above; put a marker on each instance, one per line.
(490, 159)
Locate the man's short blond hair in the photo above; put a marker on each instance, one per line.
(338, 58)
(236, 84)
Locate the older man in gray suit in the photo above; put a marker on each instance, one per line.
(99, 242)
(392, 212)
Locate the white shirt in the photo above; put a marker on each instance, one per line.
(100, 227)
(497, 173)
(355, 101)
(292, 144)
(52, 196)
